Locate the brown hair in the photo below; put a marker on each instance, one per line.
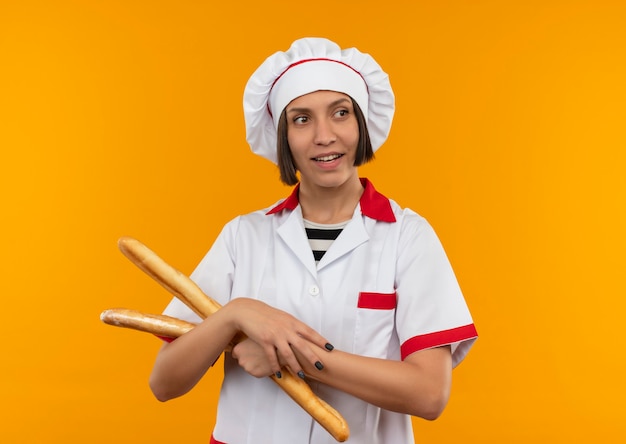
(286, 165)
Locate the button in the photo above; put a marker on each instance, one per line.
(314, 290)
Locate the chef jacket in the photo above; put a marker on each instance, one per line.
(384, 289)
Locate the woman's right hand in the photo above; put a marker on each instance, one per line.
(252, 358)
(275, 334)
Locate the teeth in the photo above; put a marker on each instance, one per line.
(328, 158)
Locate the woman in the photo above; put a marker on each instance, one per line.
(334, 263)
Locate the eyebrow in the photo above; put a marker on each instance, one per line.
(330, 105)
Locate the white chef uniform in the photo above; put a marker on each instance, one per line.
(384, 289)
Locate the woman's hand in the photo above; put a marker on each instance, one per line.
(273, 336)
(252, 358)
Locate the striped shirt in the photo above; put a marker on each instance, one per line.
(321, 236)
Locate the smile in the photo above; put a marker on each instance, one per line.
(328, 158)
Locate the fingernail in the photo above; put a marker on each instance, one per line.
(329, 347)
(278, 375)
(319, 365)
(301, 374)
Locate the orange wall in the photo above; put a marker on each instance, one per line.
(124, 118)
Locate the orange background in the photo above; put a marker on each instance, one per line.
(124, 118)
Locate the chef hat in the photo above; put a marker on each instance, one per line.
(313, 64)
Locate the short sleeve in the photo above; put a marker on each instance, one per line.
(431, 310)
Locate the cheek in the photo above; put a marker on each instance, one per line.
(352, 138)
(355, 141)
(291, 141)
(296, 142)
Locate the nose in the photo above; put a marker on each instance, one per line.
(324, 134)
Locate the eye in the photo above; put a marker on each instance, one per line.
(342, 113)
(299, 120)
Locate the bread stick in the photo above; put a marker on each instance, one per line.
(191, 295)
(167, 276)
(320, 410)
(160, 325)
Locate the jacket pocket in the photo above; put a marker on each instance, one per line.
(375, 324)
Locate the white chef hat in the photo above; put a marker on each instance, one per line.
(313, 64)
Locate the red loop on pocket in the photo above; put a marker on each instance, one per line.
(377, 301)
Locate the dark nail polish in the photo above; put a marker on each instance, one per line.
(319, 365)
(301, 374)
(329, 347)
(278, 375)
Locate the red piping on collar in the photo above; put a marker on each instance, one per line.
(373, 204)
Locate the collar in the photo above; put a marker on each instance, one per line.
(373, 204)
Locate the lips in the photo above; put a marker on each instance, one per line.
(328, 158)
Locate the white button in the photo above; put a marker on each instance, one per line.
(314, 290)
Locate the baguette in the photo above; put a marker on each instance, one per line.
(191, 295)
(167, 276)
(320, 410)
(159, 325)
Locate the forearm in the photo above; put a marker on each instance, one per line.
(418, 386)
(182, 363)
